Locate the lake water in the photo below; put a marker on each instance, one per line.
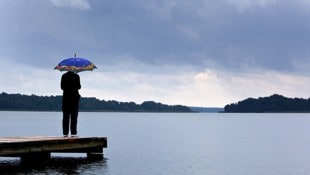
(172, 143)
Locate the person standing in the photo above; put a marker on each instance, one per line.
(70, 84)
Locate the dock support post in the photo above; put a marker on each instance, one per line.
(95, 153)
(95, 156)
(39, 157)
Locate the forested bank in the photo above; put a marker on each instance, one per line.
(19, 102)
(274, 103)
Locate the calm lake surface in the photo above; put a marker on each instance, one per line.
(172, 143)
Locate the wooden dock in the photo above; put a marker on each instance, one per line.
(40, 148)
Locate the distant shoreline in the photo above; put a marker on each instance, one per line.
(272, 104)
(96, 111)
(19, 102)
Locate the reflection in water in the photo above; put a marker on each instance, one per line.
(56, 165)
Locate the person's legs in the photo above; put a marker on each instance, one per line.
(65, 123)
(74, 115)
(73, 125)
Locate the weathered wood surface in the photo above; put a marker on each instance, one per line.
(25, 146)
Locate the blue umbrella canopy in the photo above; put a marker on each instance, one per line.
(75, 65)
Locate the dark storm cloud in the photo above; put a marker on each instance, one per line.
(201, 33)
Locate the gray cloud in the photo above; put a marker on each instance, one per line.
(232, 35)
(75, 4)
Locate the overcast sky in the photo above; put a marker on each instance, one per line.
(197, 53)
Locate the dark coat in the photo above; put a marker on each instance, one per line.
(70, 84)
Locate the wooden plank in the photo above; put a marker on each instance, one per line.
(21, 146)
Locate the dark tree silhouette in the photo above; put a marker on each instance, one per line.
(274, 103)
(18, 102)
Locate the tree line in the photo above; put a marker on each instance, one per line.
(19, 102)
(274, 103)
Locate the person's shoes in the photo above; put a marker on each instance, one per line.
(74, 135)
(65, 135)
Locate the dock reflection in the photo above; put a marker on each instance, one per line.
(56, 165)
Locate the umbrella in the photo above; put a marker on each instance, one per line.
(75, 65)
